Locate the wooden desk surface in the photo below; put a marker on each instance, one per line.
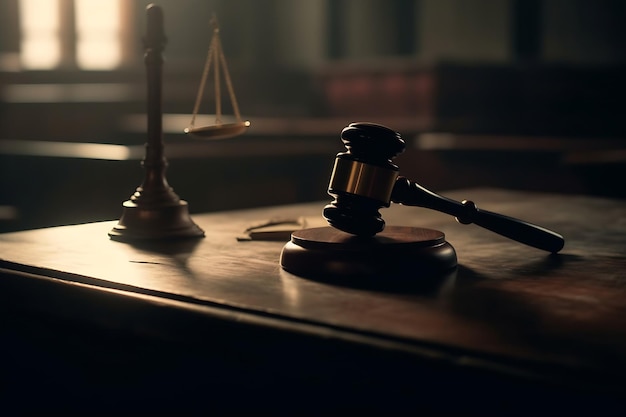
(508, 309)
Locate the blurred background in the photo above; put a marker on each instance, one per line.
(520, 94)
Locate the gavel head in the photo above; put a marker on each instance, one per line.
(363, 178)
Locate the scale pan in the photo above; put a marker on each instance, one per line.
(221, 131)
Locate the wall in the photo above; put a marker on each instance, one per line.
(490, 67)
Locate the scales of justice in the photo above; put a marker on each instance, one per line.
(155, 211)
(216, 60)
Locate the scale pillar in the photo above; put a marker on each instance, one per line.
(154, 211)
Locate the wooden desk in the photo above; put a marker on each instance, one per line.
(216, 325)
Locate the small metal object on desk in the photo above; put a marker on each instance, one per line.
(277, 229)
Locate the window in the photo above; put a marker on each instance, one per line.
(84, 33)
(98, 43)
(40, 46)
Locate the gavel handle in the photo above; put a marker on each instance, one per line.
(411, 194)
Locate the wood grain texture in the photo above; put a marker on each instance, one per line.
(508, 304)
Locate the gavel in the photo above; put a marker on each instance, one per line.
(364, 179)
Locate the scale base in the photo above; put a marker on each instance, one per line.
(398, 257)
(143, 223)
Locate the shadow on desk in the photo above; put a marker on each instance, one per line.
(141, 356)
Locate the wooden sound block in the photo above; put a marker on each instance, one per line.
(396, 257)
